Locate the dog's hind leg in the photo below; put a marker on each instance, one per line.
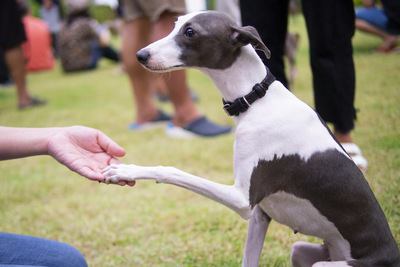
(258, 226)
(305, 254)
(229, 196)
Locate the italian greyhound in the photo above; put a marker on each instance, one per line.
(287, 165)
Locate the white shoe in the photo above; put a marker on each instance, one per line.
(356, 155)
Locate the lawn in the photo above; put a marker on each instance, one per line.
(162, 225)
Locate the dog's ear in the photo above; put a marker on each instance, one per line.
(249, 35)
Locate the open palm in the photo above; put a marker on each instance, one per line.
(84, 150)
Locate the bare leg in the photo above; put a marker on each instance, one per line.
(136, 35)
(343, 137)
(305, 254)
(389, 40)
(227, 195)
(16, 63)
(185, 109)
(258, 226)
(160, 86)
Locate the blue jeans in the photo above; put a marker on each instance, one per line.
(28, 251)
(374, 16)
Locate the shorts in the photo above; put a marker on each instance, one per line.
(152, 9)
(12, 32)
(374, 16)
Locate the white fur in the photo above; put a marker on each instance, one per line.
(224, 194)
(240, 84)
(331, 264)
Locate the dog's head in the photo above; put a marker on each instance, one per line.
(204, 39)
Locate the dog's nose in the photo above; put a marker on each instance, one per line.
(143, 56)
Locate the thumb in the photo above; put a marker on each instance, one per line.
(109, 146)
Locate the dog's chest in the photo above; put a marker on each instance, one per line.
(297, 213)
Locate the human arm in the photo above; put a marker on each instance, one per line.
(368, 3)
(83, 150)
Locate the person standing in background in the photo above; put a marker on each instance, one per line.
(12, 36)
(330, 28)
(146, 21)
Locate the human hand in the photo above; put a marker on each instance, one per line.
(85, 150)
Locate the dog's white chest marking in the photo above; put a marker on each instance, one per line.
(300, 215)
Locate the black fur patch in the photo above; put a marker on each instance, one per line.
(338, 190)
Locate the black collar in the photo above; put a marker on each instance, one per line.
(241, 104)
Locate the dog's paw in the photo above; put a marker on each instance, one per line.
(117, 173)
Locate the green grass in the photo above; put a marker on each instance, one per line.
(162, 225)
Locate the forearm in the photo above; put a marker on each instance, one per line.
(368, 3)
(24, 142)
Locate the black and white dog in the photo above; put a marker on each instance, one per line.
(287, 165)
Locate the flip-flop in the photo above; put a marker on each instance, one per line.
(200, 127)
(158, 121)
(356, 155)
(35, 102)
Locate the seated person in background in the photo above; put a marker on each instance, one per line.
(382, 21)
(82, 42)
(37, 48)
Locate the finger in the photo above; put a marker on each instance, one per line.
(108, 145)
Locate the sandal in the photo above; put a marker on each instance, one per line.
(356, 155)
(200, 127)
(158, 121)
(35, 102)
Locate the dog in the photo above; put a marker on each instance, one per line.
(287, 165)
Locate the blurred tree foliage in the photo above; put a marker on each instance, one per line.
(102, 13)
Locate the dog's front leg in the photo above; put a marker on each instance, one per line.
(258, 226)
(227, 195)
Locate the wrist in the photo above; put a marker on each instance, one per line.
(49, 137)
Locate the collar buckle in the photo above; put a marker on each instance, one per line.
(226, 107)
(259, 90)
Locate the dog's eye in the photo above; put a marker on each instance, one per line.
(189, 32)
